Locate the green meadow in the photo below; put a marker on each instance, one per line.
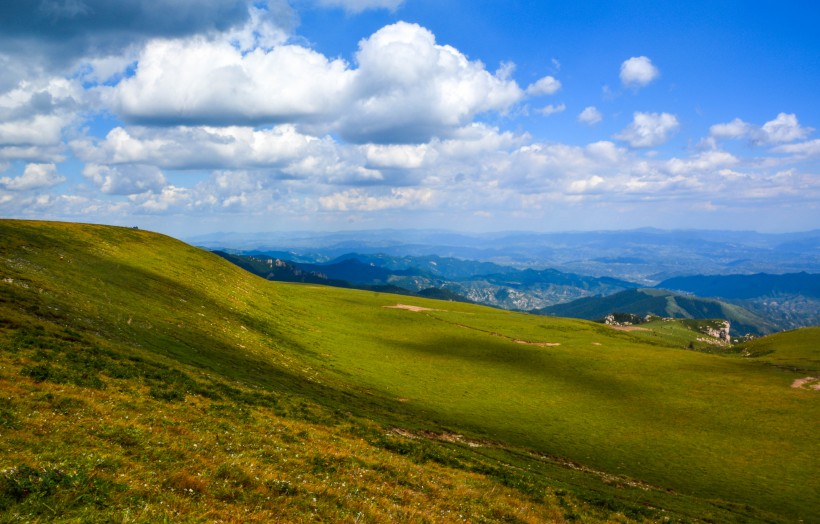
(121, 348)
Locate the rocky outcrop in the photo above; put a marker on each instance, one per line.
(719, 330)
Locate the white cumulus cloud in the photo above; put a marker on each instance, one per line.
(360, 200)
(590, 115)
(35, 176)
(198, 81)
(707, 161)
(34, 113)
(406, 88)
(205, 147)
(649, 129)
(552, 109)
(735, 129)
(809, 148)
(638, 71)
(544, 86)
(782, 129)
(409, 89)
(127, 179)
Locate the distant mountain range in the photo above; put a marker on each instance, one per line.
(437, 277)
(662, 303)
(646, 256)
(757, 304)
(746, 286)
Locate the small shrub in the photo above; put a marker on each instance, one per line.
(41, 373)
(281, 488)
(323, 464)
(124, 436)
(186, 483)
(43, 489)
(234, 474)
(8, 415)
(168, 395)
(17, 484)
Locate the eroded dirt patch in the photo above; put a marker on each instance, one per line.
(541, 344)
(409, 308)
(807, 383)
(443, 437)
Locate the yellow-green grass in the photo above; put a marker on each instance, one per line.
(798, 350)
(727, 434)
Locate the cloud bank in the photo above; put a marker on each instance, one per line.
(214, 109)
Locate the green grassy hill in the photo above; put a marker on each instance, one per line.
(664, 304)
(142, 379)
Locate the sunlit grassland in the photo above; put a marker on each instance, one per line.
(702, 424)
(118, 454)
(563, 411)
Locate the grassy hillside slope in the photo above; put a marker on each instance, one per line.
(664, 304)
(136, 368)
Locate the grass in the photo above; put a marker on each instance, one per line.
(188, 389)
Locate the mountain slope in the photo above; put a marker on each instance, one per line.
(789, 301)
(746, 286)
(143, 376)
(663, 304)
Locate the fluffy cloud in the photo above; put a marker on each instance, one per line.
(33, 116)
(638, 71)
(803, 149)
(707, 161)
(782, 129)
(126, 180)
(590, 115)
(357, 6)
(555, 169)
(735, 129)
(198, 81)
(209, 148)
(406, 87)
(35, 176)
(359, 200)
(409, 89)
(649, 129)
(552, 109)
(545, 86)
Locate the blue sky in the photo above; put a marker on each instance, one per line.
(188, 117)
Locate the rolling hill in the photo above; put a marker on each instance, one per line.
(789, 301)
(662, 303)
(746, 286)
(144, 379)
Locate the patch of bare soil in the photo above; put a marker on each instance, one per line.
(409, 308)
(443, 437)
(629, 328)
(807, 383)
(541, 344)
